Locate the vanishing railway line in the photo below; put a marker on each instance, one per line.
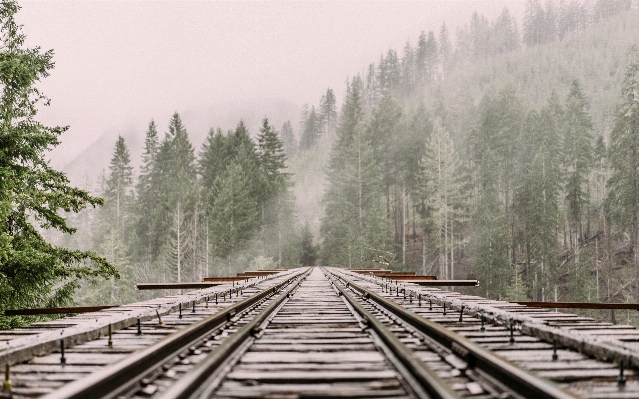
(323, 332)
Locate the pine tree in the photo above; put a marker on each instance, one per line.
(174, 178)
(445, 49)
(235, 211)
(444, 193)
(311, 130)
(327, 112)
(33, 272)
(118, 192)
(147, 200)
(408, 70)
(577, 152)
(288, 138)
(278, 207)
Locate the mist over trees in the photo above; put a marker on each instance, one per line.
(533, 198)
(188, 216)
(461, 155)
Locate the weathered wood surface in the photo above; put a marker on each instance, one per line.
(43, 338)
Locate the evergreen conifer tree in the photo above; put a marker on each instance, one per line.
(33, 272)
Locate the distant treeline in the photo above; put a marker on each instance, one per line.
(189, 217)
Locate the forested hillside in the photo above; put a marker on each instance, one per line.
(498, 159)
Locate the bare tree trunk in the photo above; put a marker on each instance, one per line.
(403, 223)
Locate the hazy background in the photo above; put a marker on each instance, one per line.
(121, 63)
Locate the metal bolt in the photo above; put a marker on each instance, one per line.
(430, 304)
(461, 313)
(160, 322)
(410, 297)
(482, 329)
(110, 336)
(207, 302)
(621, 381)
(216, 298)
(554, 349)
(444, 305)
(180, 307)
(63, 359)
(419, 298)
(193, 311)
(512, 327)
(139, 327)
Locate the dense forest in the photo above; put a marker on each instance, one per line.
(505, 151)
(498, 159)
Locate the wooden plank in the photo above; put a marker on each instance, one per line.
(580, 305)
(72, 309)
(225, 279)
(174, 286)
(445, 283)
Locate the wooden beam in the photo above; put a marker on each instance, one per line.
(75, 309)
(579, 305)
(412, 278)
(444, 283)
(225, 279)
(257, 273)
(173, 286)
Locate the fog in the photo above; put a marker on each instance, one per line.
(121, 63)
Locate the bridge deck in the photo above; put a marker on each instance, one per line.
(315, 340)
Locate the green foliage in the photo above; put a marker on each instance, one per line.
(33, 272)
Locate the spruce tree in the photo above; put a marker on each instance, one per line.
(147, 200)
(33, 272)
(288, 139)
(445, 49)
(235, 211)
(328, 112)
(578, 157)
(444, 192)
(118, 193)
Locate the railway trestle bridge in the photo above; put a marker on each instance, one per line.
(321, 332)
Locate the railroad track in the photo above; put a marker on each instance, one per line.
(42, 368)
(579, 354)
(324, 333)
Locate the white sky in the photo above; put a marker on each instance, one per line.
(124, 62)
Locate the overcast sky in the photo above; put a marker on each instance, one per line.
(124, 62)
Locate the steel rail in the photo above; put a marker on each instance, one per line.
(197, 381)
(126, 375)
(516, 379)
(428, 379)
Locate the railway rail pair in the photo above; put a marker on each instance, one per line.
(323, 332)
